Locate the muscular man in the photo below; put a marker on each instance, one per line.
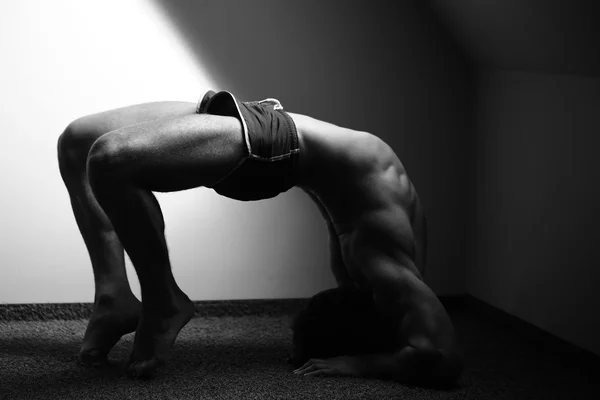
(112, 162)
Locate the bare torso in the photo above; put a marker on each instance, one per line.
(363, 186)
(378, 218)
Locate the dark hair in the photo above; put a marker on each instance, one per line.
(336, 322)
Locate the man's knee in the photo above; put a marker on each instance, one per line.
(75, 142)
(106, 159)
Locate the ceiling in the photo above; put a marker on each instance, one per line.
(549, 36)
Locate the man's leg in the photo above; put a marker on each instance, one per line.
(116, 310)
(124, 167)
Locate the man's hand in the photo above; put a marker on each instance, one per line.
(336, 366)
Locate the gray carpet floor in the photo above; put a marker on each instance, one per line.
(244, 357)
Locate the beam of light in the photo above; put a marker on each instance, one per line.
(64, 59)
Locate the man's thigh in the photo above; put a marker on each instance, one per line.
(91, 127)
(170, 154)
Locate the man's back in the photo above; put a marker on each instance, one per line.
(363, 185)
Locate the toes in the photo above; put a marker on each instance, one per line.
(145, 369)
(93, 358)
(94, 351)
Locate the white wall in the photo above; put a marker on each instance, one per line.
(534, 244)
(64, 59)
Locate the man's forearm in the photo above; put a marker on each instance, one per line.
(411, 365)
(380, 366)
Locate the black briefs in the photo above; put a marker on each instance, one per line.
(272, 143)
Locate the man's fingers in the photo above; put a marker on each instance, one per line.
(310, 368)
(307, 364)
(320, 372)
(311, 361)
(301, 370)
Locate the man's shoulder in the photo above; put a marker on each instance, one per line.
(372, 152)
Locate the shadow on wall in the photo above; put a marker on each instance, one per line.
(389, 69)
(535, 251)
(325, 59)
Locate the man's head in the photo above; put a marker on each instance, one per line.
(339, 321)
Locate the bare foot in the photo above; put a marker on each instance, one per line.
(114, 316)
(156, 335)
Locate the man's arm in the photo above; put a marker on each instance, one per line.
(411, 365)
(427, 349)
